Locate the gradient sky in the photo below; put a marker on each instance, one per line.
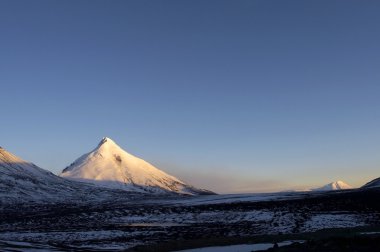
(233, 96)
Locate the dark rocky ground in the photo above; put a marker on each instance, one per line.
(164, 225)
(369, 243)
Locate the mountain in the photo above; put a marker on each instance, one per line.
(110, 166)
(337, 185)
(21, 180)
(372, 183)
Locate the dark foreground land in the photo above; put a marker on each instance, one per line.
(362, 243)
(339, 220)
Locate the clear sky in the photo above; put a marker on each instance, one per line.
(233, 96)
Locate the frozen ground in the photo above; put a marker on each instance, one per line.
(129, 223)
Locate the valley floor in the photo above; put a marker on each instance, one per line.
(175, 223)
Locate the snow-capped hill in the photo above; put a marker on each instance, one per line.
(337, 185)
(110, 166)
(372, 183)
(11, 165)
(24, 181)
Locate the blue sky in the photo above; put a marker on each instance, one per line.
(234, 96)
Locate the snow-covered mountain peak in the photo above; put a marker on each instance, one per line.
(108, 165)
(340, 185)
(106, 145)
(107, 149)
(337, 185)
(106, 141)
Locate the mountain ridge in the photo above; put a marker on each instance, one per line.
(372, 184)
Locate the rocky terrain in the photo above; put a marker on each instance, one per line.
(158, 223)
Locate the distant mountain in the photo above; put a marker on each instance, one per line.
(110, 166)
(372, 183)
(337, 185)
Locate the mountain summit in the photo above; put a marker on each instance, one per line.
(110, 166)
(337, 185)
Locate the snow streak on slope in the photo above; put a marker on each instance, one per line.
(110, 166)
(337, 185)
